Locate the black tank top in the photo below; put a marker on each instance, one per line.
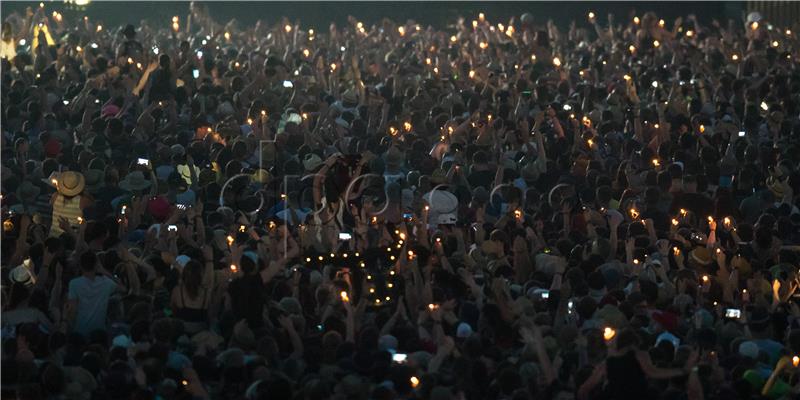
(188, 314)
(626, 380)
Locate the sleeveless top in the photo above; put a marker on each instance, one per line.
(189, 314)
(66, 207)
(626, 380)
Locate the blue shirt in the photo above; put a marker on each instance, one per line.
(92, 296)
(771, 347)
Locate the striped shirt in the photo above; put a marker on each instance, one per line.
(66, 207)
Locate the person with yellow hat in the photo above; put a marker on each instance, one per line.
(68, 201)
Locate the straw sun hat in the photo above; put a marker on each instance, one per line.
(71, 183)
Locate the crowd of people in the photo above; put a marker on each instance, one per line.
(491, 210)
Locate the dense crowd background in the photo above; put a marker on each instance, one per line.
(501, 209)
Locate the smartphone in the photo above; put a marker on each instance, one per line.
(143, 161)
(124, 210)
(155, 50)
(288, 84)
(399, 358)
(345, 236)
(546, 294)
(96, 101)
(181, 206)
(199, 55)
(408, 216)
(195, 73)
(741, 133)
(172, 228)
(66, 102)
(733, 313)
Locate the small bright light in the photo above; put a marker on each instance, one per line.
(483, 45)
(481, 16)
(654, 84)
(22, 42)
(556, 61)
(636, 20)
(689, 33)
(775, 43)
(754, 26)
(591, 15)
(306, 52)
(661, 23)
(401, 30)
(99, 28)
(764, 106)
(632, 48)
(474, 24)
(287, 28)
(453, 38)
(735, 57)
(656, 43)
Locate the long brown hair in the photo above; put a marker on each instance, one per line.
(192, 276)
